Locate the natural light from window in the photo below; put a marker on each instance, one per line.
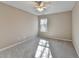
(43, 50)
(43, 25)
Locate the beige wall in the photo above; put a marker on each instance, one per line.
(15, 25)
(75, 27)
(59, 26)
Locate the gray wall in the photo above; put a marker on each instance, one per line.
(59, 26)
(16, 25)
(75, 27)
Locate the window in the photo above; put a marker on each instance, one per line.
(43, 25)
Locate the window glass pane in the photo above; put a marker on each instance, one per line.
(43, 25)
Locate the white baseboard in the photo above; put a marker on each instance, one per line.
(20, 42)
(58, 39)
(63, 39)
(49, 36)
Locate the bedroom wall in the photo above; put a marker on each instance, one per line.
(75, 27)
(59, 26)
(16, 25)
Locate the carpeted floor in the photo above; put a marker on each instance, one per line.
(59, 49)
(62, 49)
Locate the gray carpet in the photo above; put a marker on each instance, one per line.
(24, 50)
(62, 49)
(59, 49)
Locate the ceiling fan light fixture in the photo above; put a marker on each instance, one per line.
(40, 6)
(40, 9)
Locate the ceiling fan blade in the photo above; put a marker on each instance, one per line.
(42, 4)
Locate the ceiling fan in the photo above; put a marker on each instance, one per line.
(41, 5)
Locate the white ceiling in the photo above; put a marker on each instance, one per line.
(54, 7)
